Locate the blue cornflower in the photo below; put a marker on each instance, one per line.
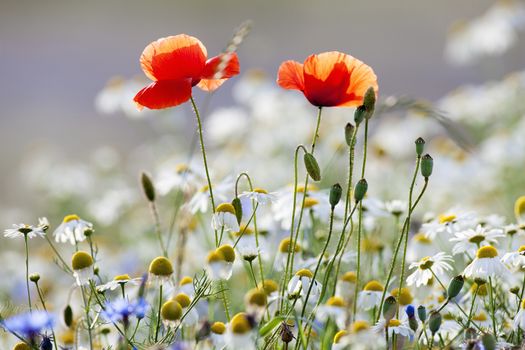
(410, 311)
(122, 309)
(29, 325)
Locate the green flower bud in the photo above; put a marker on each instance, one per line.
(434, 321)
(489, 341)
(335, 195)
(427, 164)
(236, 202)
(515, 291)
(349, 133)
(389, 308)
(35, 277)
(312, 167)
(422, 313)
(68, 316)
(412, 323)
(147, 187)
(369, 102)
(360, 190)
(420, 146)
(455, 286)
(360, 114)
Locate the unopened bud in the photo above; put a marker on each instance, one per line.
(389, 308)
(455, 286)
(335, 194)
(147, 187)
(420, 146)
(434, 322)
(349, 133)
(427, 164)
(312, 167)
(359, 114)
(369, 102)
(68, 316)
(236, 202)
(35, 277)
(360, 190)
(422, 313)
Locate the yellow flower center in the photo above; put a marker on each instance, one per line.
(260, 190)
(225, 208)
(374, 286)
(304, 273)
(339, 335)
(335, 301)
(446, 218)
(215, 256)
(256, 297)
(161, 266)
(519, 208)
(218, 328)
(350, 276)
(204, 188)
(372, 245)
(171, 311)
(487, 252)
(185, 280)
(124, 277)
(181, 168)
(244, 230)
(481, 317)
(284, 246)
(310, 202)
(183, 300)
(482, 290)
(359, 326)
(426, 263)
(404, 298)
(240, 324)
(311, 187)
(522, 249)
(523, 304)
(422, 238)
(270, 286)
(227, 251)
(81, 260)
(394, 323)
(21, 346)
(71, 217)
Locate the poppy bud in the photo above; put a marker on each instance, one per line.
(68, 316)
(455, 286)
(369, 102)
(389, 308)
(349, 133)
(312, 167)
(359, 114)
(412, 323)
(420, 146)
(236, 202)
(422, 313)
(489, 341)
(335, 195)
(147, 187)
(360, 190)
(434, 322)
(427, 163)
(35, 277)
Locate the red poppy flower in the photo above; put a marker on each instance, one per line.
(329, 79)
(176, 64)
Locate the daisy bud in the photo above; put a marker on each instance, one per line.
(434, 322)
(335, 195)
(147, 187)
(389, 308)
(489, 341)
(420, 146)
(312, 167)
(68, 316)
(369, 102)
(359, 114)
(349, 133)
(427, 163)
(236, 202)
(455, 286)
(35, 277)
(22, 346)
(422, 313)
(360, 190)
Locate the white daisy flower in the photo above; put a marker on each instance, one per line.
(346, 285)
(486, 264)
(180, 176)
(396, 207)
(247, 244)
(361, 337)
(191, 317)
(119, 281)
(72, 229)
(218, 335)
(421, 245)
(439, 263)
(370, 296)
(24, 230)
(469, 240)
(299, 285)
(519, 320)
(220, 263)
(515, 259)
(240, 334)
(260, 195)
(200, 202)
(335, 309)
(449, 223)
(186, 286)
(224, 218)
(282, 254)
(395, 326)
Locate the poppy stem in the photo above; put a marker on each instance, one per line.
(205, 161)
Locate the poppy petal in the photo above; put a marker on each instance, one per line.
(174, 58)
(163, 94)
(362, 77)
(290, 76)
(214, 75)
(327, 78)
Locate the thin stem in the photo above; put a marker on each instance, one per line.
(41, 296)
(472, 306)
(64, 265)
(158, 228)
(493, 307)
(204, 160)
(88, 319)
(225, 301)
(351, 155)
(27, 274)
(158, 315)
(253, 274)
(358, 268)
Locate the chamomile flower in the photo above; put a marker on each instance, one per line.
(171, 313)
(191, 317)
(335, 309)
(486, 264)
(299, 285)
(346, 285)
(363, 337)
(439, 263)
(420, 246)
(119, 281)
(181, 176)
(247, 243)
(240, 333)
(281, 257)
(396, 207)
(224, 218)
(469, 240)
(200, 202)
(519, 319)
(220, 262)
(515, 259)
(450, 222)
(256, 301)
(72, 229)
(218, 335)
(160, 271)
(24, 230)
(260, 196)
(370, 296)
(394, 326)
(82, 264)
(186, 286)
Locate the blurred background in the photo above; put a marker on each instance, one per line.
(56, 57)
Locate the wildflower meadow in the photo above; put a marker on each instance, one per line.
(312, 212)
